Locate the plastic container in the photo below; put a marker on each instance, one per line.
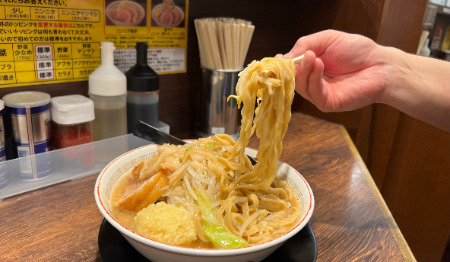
(67, 169)
(73, 120)
(425, 51)
(28, 125)
(73, 124)
(143, 91)
(108, 91)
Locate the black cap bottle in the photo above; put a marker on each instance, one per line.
(143, 91)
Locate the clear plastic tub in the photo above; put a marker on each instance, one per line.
(64, 169)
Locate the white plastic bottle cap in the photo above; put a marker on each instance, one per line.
(107, 79)
(72, 109)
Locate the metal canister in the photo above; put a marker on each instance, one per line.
(28, 119)
(218, 116)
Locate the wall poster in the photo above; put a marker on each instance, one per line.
(55, 41)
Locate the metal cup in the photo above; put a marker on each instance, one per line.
(27, 122)
(217, 116)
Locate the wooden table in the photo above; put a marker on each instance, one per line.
(351, 221)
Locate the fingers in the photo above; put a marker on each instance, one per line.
(315, 88)
(317, 42)
(309, 81)
(303, 72)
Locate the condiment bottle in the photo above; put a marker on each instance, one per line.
(143, 91)
(73, 121)
(73, 124)
(108, 91)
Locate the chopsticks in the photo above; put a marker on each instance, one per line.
(266, 72)
(298, 58)
(223, 42)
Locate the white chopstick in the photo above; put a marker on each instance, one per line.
(266, 72)
(298, 59)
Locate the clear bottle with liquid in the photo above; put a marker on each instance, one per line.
(143, 91)
(108, 91)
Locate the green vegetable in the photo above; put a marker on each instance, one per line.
(187, 149)
(219, 235)
(211, 144)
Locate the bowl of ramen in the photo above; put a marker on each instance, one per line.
(125, 13)
(188, 219)
(205, 200)
(167, 14)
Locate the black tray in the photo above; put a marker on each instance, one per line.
(115, 248)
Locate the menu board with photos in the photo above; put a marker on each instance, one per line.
(54, 41)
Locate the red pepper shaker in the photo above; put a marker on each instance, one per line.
(73, 124)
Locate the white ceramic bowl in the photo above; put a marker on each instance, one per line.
(139, 9)
(157, 251)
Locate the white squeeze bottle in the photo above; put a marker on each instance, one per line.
(108, 91)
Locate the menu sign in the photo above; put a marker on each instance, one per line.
(53, 41)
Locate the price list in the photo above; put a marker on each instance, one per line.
(54, 41)
(28, 62)
(47, 43)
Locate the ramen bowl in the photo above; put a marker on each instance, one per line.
(157, 251)
(125, 13)
(167, 16)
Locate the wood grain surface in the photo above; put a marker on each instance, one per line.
(351, 221)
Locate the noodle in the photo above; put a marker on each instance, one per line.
(250, 201)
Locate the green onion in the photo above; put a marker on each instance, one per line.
(219, 235)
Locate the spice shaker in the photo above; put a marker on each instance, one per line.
(108, 91)
(73, 124)
(143, 91)
(73, 120)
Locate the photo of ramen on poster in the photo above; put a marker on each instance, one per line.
(125, 12)
(168, 13)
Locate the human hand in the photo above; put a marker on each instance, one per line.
(340, 71)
